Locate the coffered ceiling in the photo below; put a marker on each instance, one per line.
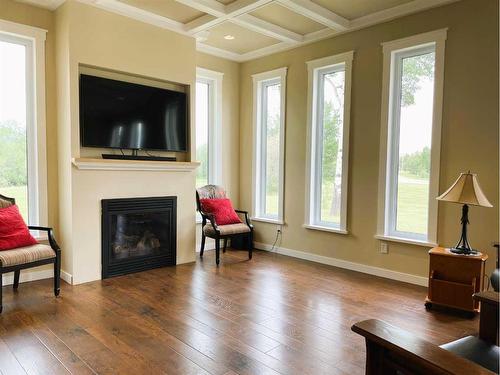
(242, 30)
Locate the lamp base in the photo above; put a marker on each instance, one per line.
(463, 251)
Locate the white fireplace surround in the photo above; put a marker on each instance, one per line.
(97, 179)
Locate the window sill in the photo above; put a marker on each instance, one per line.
(269, 221)
(405, 240)
(325, 229)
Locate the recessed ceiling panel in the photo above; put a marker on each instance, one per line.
(287, 19)
(237, 39)
(167, 8)
(357, 8)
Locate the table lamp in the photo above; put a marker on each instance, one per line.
(465, 190)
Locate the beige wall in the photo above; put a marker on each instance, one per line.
(32, 16)
(469, 135)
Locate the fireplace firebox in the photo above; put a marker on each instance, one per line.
(138, 234)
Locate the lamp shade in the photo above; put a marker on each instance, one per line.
(466, 190)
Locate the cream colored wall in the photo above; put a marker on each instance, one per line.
(22, 13)
(469, 135)
(90, 36)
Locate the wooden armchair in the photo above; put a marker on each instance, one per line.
(393, 351)
(21, 258)
(217, 232)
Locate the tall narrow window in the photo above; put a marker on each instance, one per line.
(208, 126)
(22, 120)
(329, 109)
(202, 129)
(269, 103)
(412, 120)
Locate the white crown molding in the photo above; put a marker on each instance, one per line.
(139, 14)
(238, 12)
(398, 11)
(202, 47)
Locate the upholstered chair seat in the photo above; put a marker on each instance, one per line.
(28, 254)
(225, 230)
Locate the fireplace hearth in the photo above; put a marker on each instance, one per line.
(138, 234)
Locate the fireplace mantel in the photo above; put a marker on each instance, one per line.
(133, 165)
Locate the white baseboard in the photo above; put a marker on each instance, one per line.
(67, 277)
(371, 270)
(33, 275)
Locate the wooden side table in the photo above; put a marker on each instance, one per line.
(453, 279)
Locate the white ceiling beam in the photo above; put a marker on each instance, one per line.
(317, 13)
(266, 28)
(212, 7)
(228, 12)
(201, 24)
(239, 7)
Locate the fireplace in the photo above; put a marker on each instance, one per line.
(138, 234)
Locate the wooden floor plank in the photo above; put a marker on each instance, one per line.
(270, 315)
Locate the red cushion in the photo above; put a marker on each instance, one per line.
(222, 209)
(13, 231)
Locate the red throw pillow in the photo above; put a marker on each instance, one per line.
(13, 230)
(222, 209)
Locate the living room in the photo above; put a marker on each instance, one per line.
(337, 134)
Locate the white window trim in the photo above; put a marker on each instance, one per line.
(34, 39)
(438, 38)
(214, 80)
(314, 67)
(258, 79)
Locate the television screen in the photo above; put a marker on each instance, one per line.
(117, 114)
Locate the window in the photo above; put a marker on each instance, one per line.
(208, 126)
(22, 119)
(328, 142)
(411, 131)
(269, 143)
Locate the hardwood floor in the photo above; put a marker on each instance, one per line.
(270, 315)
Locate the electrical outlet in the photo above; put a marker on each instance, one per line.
(279, 229)
(384, 248)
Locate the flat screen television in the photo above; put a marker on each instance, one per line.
(124, 115)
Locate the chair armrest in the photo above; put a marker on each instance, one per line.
(487, 296)
(247, 217)
(405, 350)
(488, 316)
(50, 235)
(211, 218)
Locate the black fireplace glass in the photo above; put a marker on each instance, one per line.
(139, 235)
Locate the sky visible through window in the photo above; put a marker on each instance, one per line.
(13, 163)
